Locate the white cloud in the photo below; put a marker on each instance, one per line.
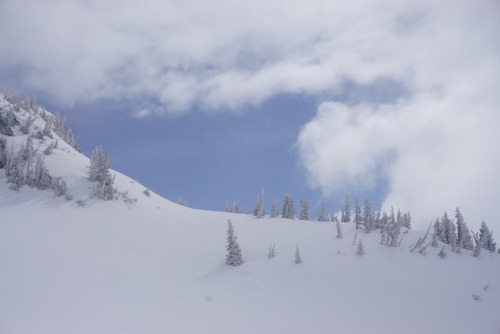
(436, 148)
(225, 54)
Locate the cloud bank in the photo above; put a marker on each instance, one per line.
(435, 147)
(225, 54)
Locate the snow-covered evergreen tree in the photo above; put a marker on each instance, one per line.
(3, 152)
(304, 210)
(298, 259)
(346, 211)
(464, 237)
(478, 246)
(368, 218)
(393, 229)
(288, 208)
(486, 238)
(259, 211)
(234, 255)
(436, 236)
(384, 224)
(358, 219)
(339, 230)
(234, 207)
(60, 187)
(99, 174)
(407, 220)
(274, 209)
(272, 251)
(322, 217)
(41, 177)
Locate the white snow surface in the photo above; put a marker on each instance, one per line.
(154, 267)
(158, 267)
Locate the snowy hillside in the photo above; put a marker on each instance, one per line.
(142, 264)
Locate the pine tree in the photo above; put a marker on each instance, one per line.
(368, 217)
(298, 259)
(304, 210)
(259, 211)
(233, 256)
(437, 233)
(322, 215)
(445, 229)
(407, 220)
(384, 224)
(99, 173)
(274, 210)
(339, 230)
(41, 177)
(346, 211)
(272, 251)
(463, 234)
(478, 246)
(358, 219)
(486, 238)
(288, 208)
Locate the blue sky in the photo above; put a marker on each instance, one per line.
(390, 100)
(206, 159)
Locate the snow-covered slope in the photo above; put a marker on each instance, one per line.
(157, 267)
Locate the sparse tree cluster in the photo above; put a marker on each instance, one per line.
(457, 234)
(25, 167)
(39, 123)
(233, 207)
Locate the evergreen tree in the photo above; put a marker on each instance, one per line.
(288, 208)
(384, 224)
(339, 230)
(486, 238)
(3, 151)
(463, 234)
(436, 236)
(445, 228)
(274, 210)
(298, 259)
(304, 210)
(322, 215)
(259, 211)
(358, 219)
(272, 251)
(100, 175)
(41, 177)
(407, 220)
(393, 229)
(346, 211)
(478, 246)
(368, 217)
(60, 187)
(233, 256)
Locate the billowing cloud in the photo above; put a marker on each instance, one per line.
(433, 145)
(437, 147)
(225, 54)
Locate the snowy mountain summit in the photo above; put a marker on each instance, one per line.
(38, 150)
(85, 249)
